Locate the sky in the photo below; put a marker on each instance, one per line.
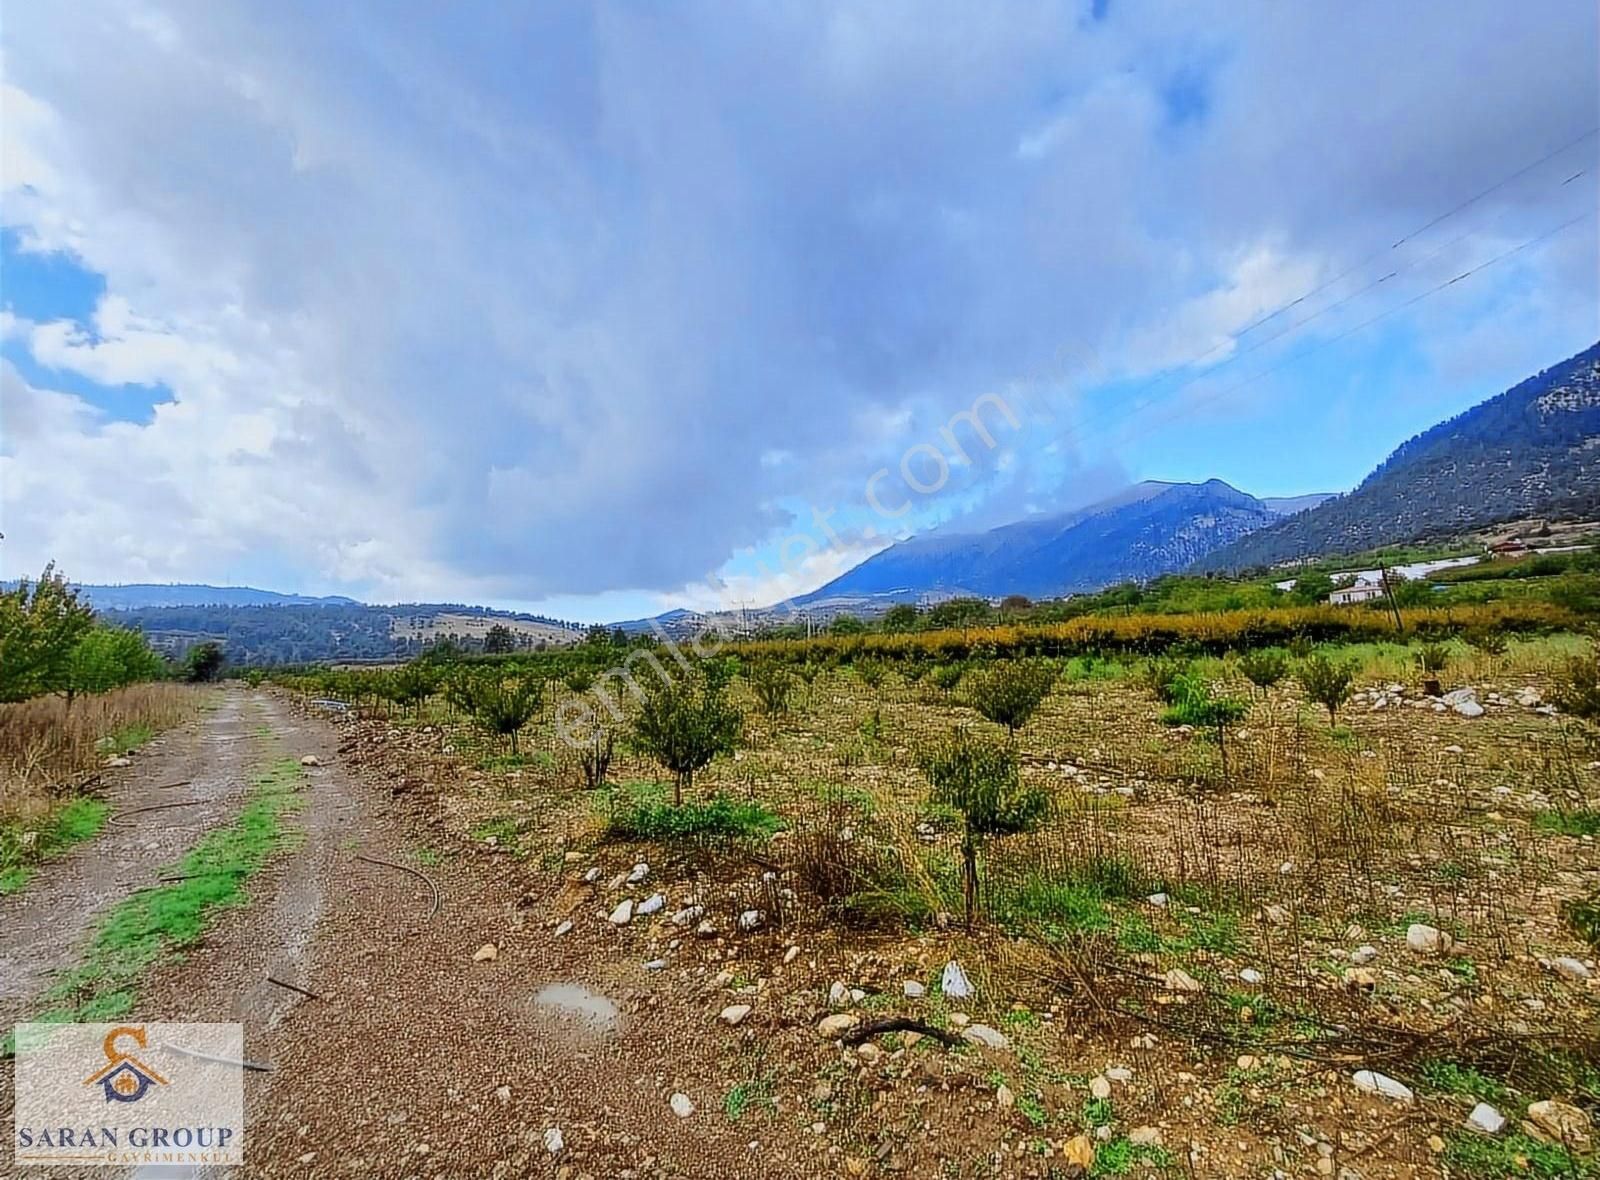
(603, 309)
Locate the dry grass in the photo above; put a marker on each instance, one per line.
(47, 750)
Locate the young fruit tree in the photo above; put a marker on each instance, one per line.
(980, 779)
(1326, 682)
(1196, 703)
(1009, 693)
(499, 706)
(1264, 667)
(40, 625)
(684, 723)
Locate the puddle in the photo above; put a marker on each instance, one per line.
(588, 1007)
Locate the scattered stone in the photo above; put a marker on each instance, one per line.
(1179, 980)
(638, 873)
(689, 915)
(1159, 900)
(982, 1034)
(1559, 1123)
(564, 928)
(651, 904)
(592, 876)
(1361, 978)
(1468, 709)
(1570, 968)
(485, 953)
(310, 760)
(750, 920)
(1078, 1152)
(1428, 940)
(502, 1094)
(954, 983)
(656, 965)
(706, 929)
(1276, 914)
(623, 914)
(835, 1026)
(553, 1142)
(1363, 955)
(118, 763)
(1251, 976)
(1120, 1073)
(1100, 1087)
(681, 1105)
(1487, 1119)
(915, 991)
(838, 993)
(1145, 1136)
(1370, 1082)
(1004, 1098)
(734, 1014)
(791, 955)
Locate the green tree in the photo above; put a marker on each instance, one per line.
(1009, 693)
(901, 617)
(499, 640)
(202, 663)
(958, 612)
(846, 625)
(980, 779)
(109, 657)
(684, 723)
(771, 682)
(40, 625)
(1196, 703)
(1326, 682)
(499, 705)
(1311, 587)
(1264, 667)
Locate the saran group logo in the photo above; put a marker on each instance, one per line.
(129, 1095)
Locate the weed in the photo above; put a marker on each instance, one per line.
(649, 817)
(1120, 1155)
(1583, 821)
(1449, 1078)
(24, 845)
(1516, 1154)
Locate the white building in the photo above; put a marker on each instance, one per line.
(1361, 590)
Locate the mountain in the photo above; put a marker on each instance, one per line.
(1533, 450)
(138, 595)
(1289, 505)
(1150, 529)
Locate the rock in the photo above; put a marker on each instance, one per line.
(1276, 914)
(1529, 697)
(656, 965)
(706, 929)
(1361, 978)
(1570, 968)
(1560, 1123)
(553, 1142)
(485, 953)
(623, 914)
(1460, 696)
(564, 928)
(1004, 1098)
(954, 982)
(637, 874)
(1363, 955)
(838, 993)
(1078, 1154)
(1428, 940)
(734, 1014)
(1120, 1073)
(833, 1027)
(1469, 709)
(1487, 1119)
(915, 991)
(750, 920)
(118, 763)
(982, 1034)
(1179, 980)
(1100, 1087)
(616, 882)
(1369, 1082)
(791, 955)
(681, 1105)
(310, 760)
(651, 904)
(1159, 900)
(502, 1094)
(1145, 1136)
(592, 876)
(1251, 976)
(689, 915)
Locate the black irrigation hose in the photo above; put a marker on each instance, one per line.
(421, 876)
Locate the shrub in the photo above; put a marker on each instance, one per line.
(109, 657)
(1433, 658)
(1577, 688)
(1326, 682)
(771, 682)
(945, 676)
(500, 706)
(1160, 674)
(1264, 667)
(870, 672)
(594, 756)
(684, 725)
(203, 662)
(1196, 703)
(579, 680)
(980, 779)
(1490, 641)
(1010, 693)
(719, 816)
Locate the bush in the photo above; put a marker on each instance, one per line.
(1577, 688)
(1490, 641)
(1326, 682)
(684, 725)
(1264, 667)
(1159, 676)
(980, 779)
(500, 706)
(1010, 693)
(202, 663)
(1433, 658)
(1196, 703)
(40, 625)
(771, 682)
(719, 816)
(946, 676)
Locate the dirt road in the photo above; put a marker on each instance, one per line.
(415, 1058)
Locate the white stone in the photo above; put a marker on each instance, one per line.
(1159, 900)
(564, 928)
(791, 955)
(1120, 1073)
(623, 914)
(833, 1027)
(1363, 955)
(689, 915)
(1469, 709)
(592, 876)
(1428, 940)
(681, 1105)
(913, 990)
(651, 904)
(982, 1034)
(1251, 976)
(734, 1014)
(1487, 1119)
(310, 760)
(1570, 968)
(1370, 1082)
(706, 929)
(838, 993)
(656, 965)
(553, 1142)
(750, 920)
(638, 873)
(954, 982)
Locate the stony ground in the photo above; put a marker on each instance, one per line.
(1393, 908)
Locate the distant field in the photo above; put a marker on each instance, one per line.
(430, 627)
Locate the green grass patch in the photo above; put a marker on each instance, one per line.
(646, 813)
(153, 923)
(1568, 822)
(1120, 1156)
(1463, 1080)
(24, 845)
(753, 1094)
(128, 738)
(1583, 916)
(1054, 903)
(1515, 1155)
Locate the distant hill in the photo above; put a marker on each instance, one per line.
(1531, 451)
(1150, 529)
(140, 594)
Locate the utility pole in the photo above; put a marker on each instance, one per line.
(1388, 588)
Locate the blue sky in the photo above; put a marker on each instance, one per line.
(604, 309)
